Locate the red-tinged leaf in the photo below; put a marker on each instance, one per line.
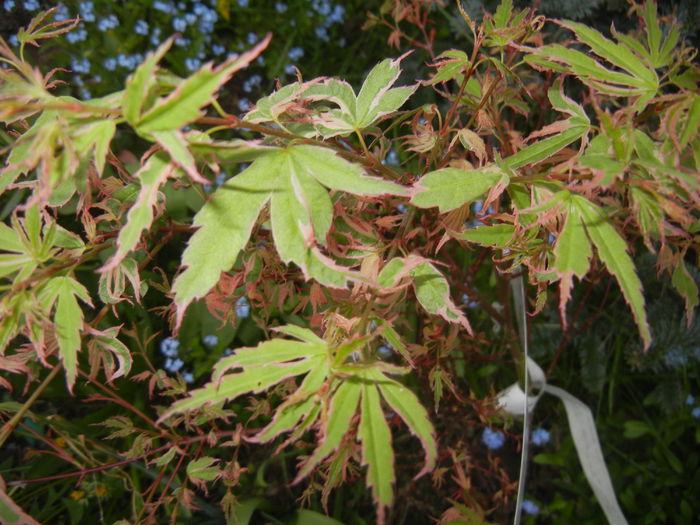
(184, 104)
(450, 188)
(377, 452)
(343, 406)
(405, 403)
(151, 176)
(685, 284)
(433, 293)
(10, 512)
(139, 84)
(612, 250)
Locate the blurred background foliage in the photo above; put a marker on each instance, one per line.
(645, 403)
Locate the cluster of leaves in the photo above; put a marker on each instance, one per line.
(337, 248)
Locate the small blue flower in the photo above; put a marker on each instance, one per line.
(211, 340)
(690, 400)
(322, 33)
(169, 346)
(529, 507)
(392, 158)
(77, 35)
(281, 7)
(243, 104)
(493, 439)
(179, 24)
(243, 3)
(290, 69)
(188, 377)
(173, 365)
(109, 22)
(551, 238)
(695, 412)
(165, 7)
(80, 65)
(228, 352)
(182, 42)
(192, 63)
(141, 27)
(402, 208)
(385, 350)
(61, 13)
(467, 301)
(13, 40)
(155, 36)
(295, 53)
(251, 38)
(87, 11)
(191, 18)
(218, 49)
(9, 5)
(242, 308)
(675, 357)
(85, 94)
(31, 5)
(110, 64)
(540, 437)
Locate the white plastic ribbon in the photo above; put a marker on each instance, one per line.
(582, 425)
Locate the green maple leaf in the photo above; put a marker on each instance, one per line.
(294, 181)
(362, 388)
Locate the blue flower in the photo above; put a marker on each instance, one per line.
(290, 69)
(31, 5)
(155, 36)
(188, 377)
(87, 11)
(192, 63)
(242, 3)
(295, 53)
(402, 208)
(179, 24)
(169, 346)
(218, 49)
(108, 23)
(540, 437)
(385, 350)
(85, 94)
(467, 301)
(243, 104)
(211, 340)
(13, 40)
(695, 412)
(165, 7)
(242, 305)
(251, 38)
(493, 439)
(191, 18)
(61, 13)
(182, 42)
(675, 357)
(9, 5)
(337, 14)
(228, 352)
(141, 27)
(322, 33)
(80, 65)
(392, 158)
(529, 507)
(251, 82)
(79, 35)
(110, 64)
(690, 400)
(173, 365)
(281, 7)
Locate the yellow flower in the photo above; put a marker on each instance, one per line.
(101, 490)
(77, 494)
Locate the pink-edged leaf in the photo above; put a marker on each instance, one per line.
(152, 175)
(433, 293)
